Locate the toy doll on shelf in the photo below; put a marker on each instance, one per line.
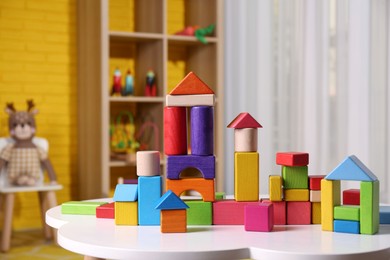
(150, 88)
(21, 157)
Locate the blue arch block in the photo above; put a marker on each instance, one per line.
(177, 163)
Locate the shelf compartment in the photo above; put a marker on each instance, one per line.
(138, 99)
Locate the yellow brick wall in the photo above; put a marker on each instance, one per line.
(38, 60)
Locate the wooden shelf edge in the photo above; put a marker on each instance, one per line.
(180, 39)
(117, 163)
(135, 36)
(138, 99)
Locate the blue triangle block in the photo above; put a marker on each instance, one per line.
(170, 201)
(351, 169)
(126, 192)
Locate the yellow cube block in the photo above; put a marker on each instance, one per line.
(296, 195)
(126, 213)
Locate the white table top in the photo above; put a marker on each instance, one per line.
(88, 235)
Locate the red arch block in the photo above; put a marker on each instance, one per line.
(204, 186)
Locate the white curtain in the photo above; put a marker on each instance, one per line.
(315, 75)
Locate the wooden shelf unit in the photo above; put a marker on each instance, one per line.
(139, 37)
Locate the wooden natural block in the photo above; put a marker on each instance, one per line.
(244, 120)
(245, 140)
(246, 176)
(292, 159)
(296, 194)
(298, 213)
(346, 226)
(204, 186)
(259, 217)
(80, 207)
(191, 85)
(175, 130)
(174, 221)
(199, 212)
(177, 163)
(202, 130)
(126, 192)
(351, 197)
(384, 214)
(369, 207)
(126, 213)
(346, 213)
(316, 212)
(275, 187)
(148, 163)
(279, 211)
(330, 197)
(229, 212)
(295, 177)
(315, 182)
(149, 192)
(106, 211)
(190, 100)
(315, 196)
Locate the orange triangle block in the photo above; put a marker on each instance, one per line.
(191, 85)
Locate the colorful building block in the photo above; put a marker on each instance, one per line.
(384, 214)
(292, 159)
(174, 221)
(298, 213)
(315, 182)
(204, 186)
(106, 211)
(149, 192)
(191, 85)
(275, 187)
(316, 212)
(369, 207)
(199, 212)
(126, 213)
(202, 130)
(296, 195)
(244, 120)
(126, 192)
(351, 197)
(148, 163)
(246, 176)
(346, 213)
(351, 169)
(80, 207)
(315, 196)
(220, 195)
(259, 217)
(245, 139)
(330, 197)
(229, 212)
(170, 201)
(175, 130)
(190, 100)
(279, 211)
(295, 177)
(177, 163)
(346, 226)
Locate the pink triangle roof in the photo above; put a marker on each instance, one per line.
(244, 120)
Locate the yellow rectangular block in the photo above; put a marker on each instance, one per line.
(330, 197)
(296, 195)
(275, 188)
(126, 213)
(246, 176)
(316, 212)
(315, 196)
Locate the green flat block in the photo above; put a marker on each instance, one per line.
(219, 195)
(369, 207)
(295, 177)
(347, 213)
(80, 207)
(199, 212)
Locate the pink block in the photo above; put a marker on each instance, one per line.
(298, 213)
(230, 212)
(279, 211)
(259, 217)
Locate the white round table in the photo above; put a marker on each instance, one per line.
(101, 238)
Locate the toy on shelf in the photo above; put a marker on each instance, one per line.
(21, 157)
(150, 87)
(128, 88)
(117, 83)
(199, 33)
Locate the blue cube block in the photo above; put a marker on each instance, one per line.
(384, 214)
(346, 226)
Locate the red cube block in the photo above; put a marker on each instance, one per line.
(292, 159)
(279, 211)
(351, 197)
(106, 211)
(298, 213)
(315, 182)
(230, 212)
(259, 217)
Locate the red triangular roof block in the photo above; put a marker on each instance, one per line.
(191, 85)
(244, 120)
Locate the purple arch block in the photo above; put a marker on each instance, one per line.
(202, 130)
(177, 163)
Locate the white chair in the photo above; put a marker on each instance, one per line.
(46, 194)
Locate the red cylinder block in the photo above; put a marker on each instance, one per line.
(175, 130)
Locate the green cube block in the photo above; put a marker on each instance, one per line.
(199, 212)
(219, 195)
(347, 213)
(369, 207)
(295, 177)
(80, 207)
